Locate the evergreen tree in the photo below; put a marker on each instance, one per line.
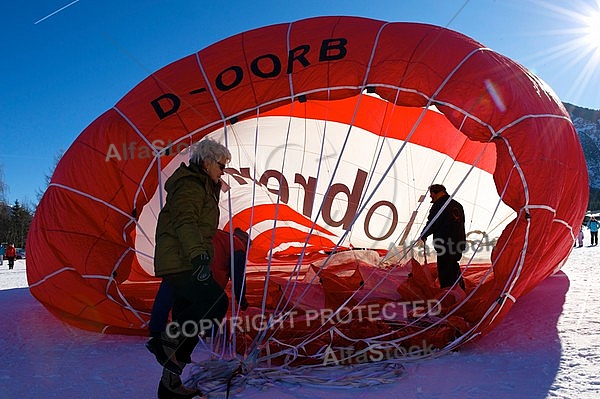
(19, 219)
(594, 201)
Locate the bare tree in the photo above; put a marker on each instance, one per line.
(48, 176)
(4, 215)
(3, 186)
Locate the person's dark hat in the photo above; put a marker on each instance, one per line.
(437, 188)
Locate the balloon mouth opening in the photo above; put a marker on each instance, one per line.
(339, 175)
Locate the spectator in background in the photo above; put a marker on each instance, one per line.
(2, 251)
(593, 226)
(579, 238)
(11, 254)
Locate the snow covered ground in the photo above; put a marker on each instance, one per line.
(547, 347)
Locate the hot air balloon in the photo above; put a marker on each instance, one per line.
(337, 126)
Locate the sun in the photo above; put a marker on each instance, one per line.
(575, 50)
(580, 31)
(578, 27)
(591, 28)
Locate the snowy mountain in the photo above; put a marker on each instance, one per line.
(587, 124)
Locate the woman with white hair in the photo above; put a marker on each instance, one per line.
(182, 256)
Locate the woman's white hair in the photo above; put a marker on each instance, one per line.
(208, 150)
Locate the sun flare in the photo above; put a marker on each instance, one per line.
(581, 26)
(592, 31)
(576, 41)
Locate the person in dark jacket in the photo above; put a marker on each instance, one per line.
(446, 222)
(182, 257)
(593, 226)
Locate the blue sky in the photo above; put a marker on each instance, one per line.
(61, 70)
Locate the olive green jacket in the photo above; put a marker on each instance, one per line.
(188, 220)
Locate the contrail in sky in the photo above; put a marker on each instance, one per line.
(57, 11)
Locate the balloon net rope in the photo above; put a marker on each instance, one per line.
(327, 309)
(218, 378)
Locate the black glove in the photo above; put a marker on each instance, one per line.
(201, 267)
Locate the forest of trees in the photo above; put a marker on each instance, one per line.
(14, 223)
(594, 201)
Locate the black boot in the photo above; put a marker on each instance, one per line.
(185, 349)
(171, 387)
(163, 348)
